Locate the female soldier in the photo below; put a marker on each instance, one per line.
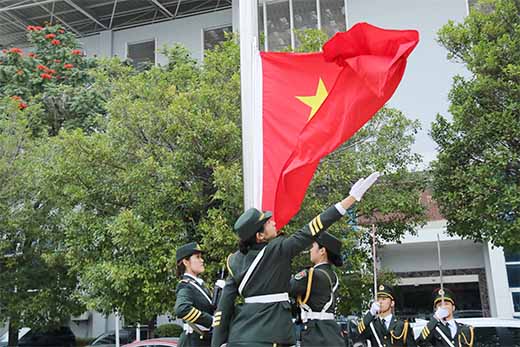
(315, 293)
(193, 303)
(260, 273)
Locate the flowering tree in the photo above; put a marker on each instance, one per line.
(55, 73)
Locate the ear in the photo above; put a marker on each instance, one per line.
(392, 305)
(260, 236)
(185, 262)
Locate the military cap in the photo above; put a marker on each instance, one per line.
(187, 250)
(448, 296)
(385, 290)
(333, 246)
(250, 222)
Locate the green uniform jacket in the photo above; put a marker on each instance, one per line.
(313, 287)
(399, 332)
(264, 324)
(431, 336)
(193, 305)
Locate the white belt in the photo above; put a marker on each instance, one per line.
(311, 315)
(267, 299)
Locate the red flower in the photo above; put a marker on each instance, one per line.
(15, 50)
(41, 67)
(68, 66)
(31, 54)
(50, 71)
(61, 31)
(55, 42)
(30, 27)
(50, 36)
(76, 51)
(57, 61)
(4, 51)
(38, 28)
(22, 105)
(45, 76)
(19, 72)
(16, 97)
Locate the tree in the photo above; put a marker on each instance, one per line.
(41, 92)
(476, 174)
(135, 190)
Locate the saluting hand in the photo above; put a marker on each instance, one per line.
(362, 185)
(441, 313)
(374, 309)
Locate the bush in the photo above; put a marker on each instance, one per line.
(168, 330)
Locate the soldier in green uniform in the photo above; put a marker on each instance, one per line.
(315, 292)
(193, 301)
(260, 273)
(381, 327)
(442, 329)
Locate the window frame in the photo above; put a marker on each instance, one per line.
(154, 39)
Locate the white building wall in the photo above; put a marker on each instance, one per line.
(500, 299)
(187, 31)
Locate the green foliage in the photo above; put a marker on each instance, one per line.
(168, 330)
(55, 74)
(131, 194)
(36, 286)
(476, 175)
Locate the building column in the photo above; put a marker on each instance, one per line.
(235, 10)
(500, 300)
(105, 44)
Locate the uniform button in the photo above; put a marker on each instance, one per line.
(385, 337)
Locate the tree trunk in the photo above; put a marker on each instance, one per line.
(13, 334)
(151, 327)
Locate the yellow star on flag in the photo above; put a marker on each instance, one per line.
(315, 101)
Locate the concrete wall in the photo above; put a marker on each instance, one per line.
(423, 92)
(187, 31)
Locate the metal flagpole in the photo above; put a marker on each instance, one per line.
(374, 260)
(251, 99)
(440, 268)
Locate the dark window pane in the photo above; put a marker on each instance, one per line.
(332, 16)
(513, 275)
(305, 15)
(512, 255)
(278, 25)
(516, 301)
(515, 336)
(142, 53)
(486, 337)
(213, 37)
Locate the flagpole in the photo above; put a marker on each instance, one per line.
(374, 260)
(251, 102)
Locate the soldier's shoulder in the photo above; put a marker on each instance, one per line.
(302, 275)
(464, 326)
(183, 283)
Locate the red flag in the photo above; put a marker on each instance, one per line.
(312, 103)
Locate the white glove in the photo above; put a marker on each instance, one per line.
(441, 313)
(374, 309)
(361, 186)
(220, 283)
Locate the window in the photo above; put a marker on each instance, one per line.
(332, 13)
(486, 337)
(141, 53)
(275, 20)
(214, 36)
(513, 275)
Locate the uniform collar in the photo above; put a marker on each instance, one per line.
(200, 281)
(320, 264)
